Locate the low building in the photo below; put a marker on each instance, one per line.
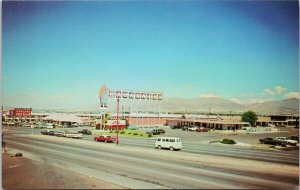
(113, 125)
(211, 124)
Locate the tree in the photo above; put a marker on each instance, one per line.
(250, 117)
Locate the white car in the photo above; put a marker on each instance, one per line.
(287, 140)
(192, 128)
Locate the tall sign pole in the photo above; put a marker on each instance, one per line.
(118, 102)
(105, 93)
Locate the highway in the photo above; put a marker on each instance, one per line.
(143, 167)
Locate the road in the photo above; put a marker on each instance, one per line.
(282, 157)
(141, 167)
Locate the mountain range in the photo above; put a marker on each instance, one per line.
(197, 105)
(221, 105)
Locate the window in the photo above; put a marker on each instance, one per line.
(158, 139)
(167, 140)
(172, 140)
(163, 140)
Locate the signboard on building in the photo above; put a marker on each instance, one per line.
(20, 112)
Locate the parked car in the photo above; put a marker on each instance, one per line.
(105, 138)
(296, 138)
(47, 132)
(156, 131)
(132, 127)
(272, 141)
(175, 127)
(287, 141)
(60, 133)
(49, 125)
(85, 132)
(184, 128)
(202, 129)
(192, 128)
(171, 143)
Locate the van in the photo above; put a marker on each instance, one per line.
(172, 143)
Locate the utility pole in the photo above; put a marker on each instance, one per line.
(118, 102)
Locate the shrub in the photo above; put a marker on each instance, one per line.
(135, 134)
(141, 134)
(228, 141)
(122, 132)
(129, 133)
(110, 131)
(149, 135)
(18, 154)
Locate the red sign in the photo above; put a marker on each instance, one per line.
(20, 112)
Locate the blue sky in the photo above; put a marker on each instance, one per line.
(58, 54)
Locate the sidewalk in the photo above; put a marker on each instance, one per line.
(24, 173)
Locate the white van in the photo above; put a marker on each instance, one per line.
(168, 142)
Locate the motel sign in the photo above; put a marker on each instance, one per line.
(137, 95)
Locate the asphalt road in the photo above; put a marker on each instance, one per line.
(277, 156)
(140, 167)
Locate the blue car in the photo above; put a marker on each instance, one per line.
(132, 127)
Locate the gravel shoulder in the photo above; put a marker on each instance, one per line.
(24, 173)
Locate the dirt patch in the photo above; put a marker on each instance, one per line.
(24, 173)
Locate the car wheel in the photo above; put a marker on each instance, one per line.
(159, 147)
(171, 148)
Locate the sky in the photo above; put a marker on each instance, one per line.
(58, 54)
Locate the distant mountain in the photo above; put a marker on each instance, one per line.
(287, 106)
(212, 105)
(202, 105)
(218, 105)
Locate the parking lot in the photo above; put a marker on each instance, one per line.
(240, 136)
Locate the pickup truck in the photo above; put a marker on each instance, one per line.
(105, 138)
(85, 132)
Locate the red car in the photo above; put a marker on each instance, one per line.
(202, 129)
(105, 138)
